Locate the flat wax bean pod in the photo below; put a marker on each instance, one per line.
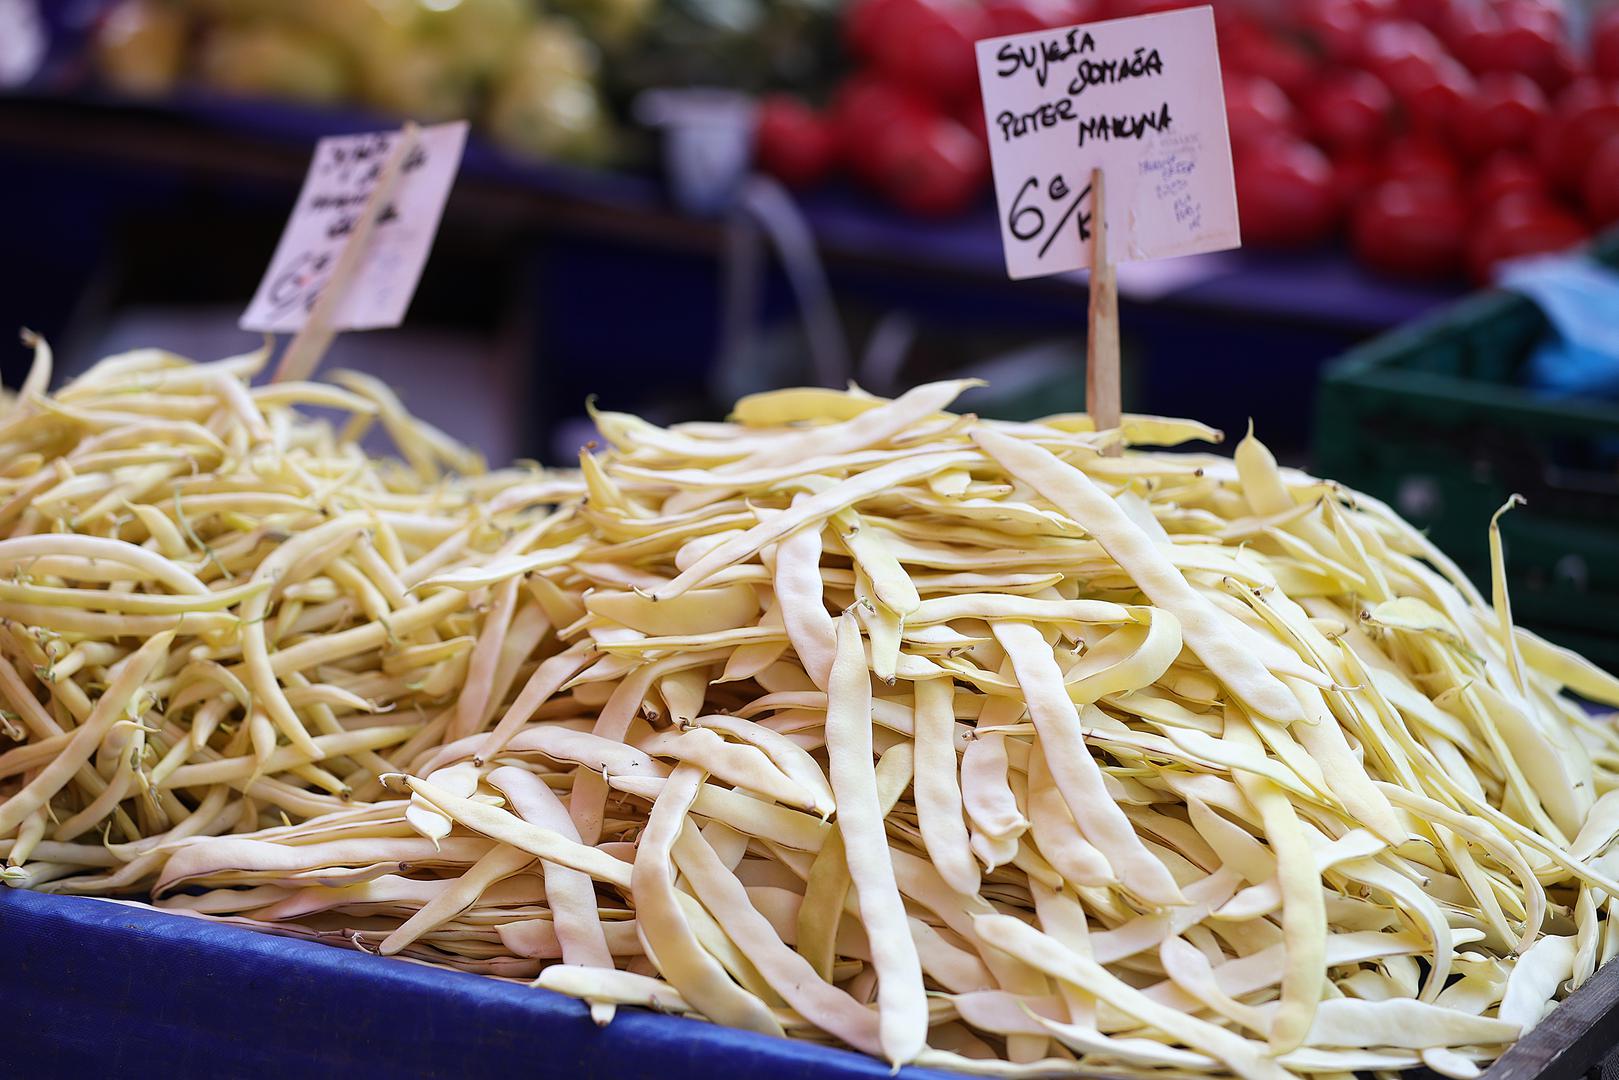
(1074, 771)
(664, 924)
(939, 806)
(901, 1004)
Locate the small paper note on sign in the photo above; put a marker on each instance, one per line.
(1140, 99)
(341, 177)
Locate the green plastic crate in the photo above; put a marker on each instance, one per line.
(1434, 418)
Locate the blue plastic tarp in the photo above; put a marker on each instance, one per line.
(1580, 298)
(95, 989)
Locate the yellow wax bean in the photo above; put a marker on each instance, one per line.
(901, 1002)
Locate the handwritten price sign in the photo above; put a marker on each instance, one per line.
(1138, 98)
(341, 178)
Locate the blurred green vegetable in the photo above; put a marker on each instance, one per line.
(479, 36)
(141, 47)
(610, 22)
(547, 103)
(275, 60)
(398, 74)
(544, 77)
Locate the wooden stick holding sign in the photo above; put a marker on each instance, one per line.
(1136, 101)
(1102, 340)
(303, 354)
(358, 237)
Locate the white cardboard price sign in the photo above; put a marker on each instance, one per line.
(341, 177)
(1138, 98)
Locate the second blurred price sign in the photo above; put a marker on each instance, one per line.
(1140, 99)
(356, 191)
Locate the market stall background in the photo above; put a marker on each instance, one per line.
(571, 249)
(116, 186)
(138, 219)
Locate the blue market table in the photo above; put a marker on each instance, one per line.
(90, 988)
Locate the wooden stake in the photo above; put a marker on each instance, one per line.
(309, 345)
(1102, 342)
